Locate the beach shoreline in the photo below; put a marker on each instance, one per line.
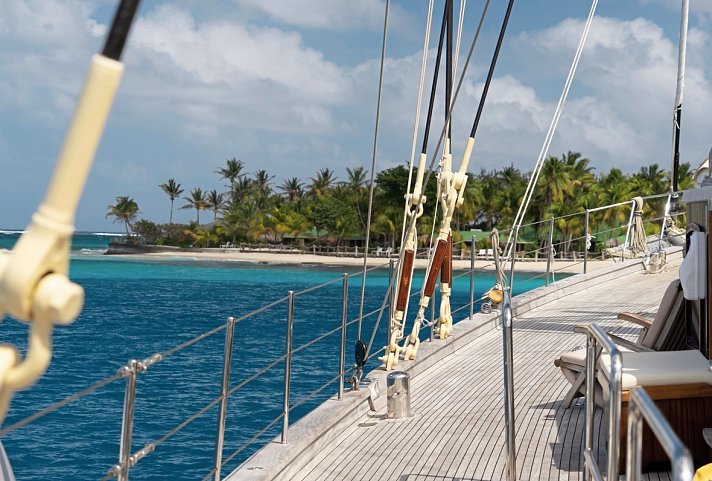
(297, 258)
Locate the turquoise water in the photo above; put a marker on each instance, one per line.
(134, 309)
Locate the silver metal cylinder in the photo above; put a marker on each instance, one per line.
(472, 277)
(398, 395)
(513, 260)
(131, 371)
(550, 253)
(508, 354)
(344, 319)
(585, 243)
(287, 368)
(590, 403)
(393, 282)
(432, 315)
(627, 232)
(222, 415)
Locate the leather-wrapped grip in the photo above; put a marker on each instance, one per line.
(406, 277)
(435, 266)
(446, 273)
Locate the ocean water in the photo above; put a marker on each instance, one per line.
(136, 308)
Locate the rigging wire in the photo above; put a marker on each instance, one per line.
(471, 51)
(552, 128)
(677, 111)
(483, 98)
(426, 135)
(373, 165)
(421, 85)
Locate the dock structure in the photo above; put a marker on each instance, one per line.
(456, 432)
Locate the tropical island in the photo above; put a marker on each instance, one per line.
(332, 214)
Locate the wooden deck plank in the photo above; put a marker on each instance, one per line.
(457, 432)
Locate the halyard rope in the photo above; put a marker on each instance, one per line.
(552, 129)
(373, 165)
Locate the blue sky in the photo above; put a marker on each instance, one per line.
(290, 86)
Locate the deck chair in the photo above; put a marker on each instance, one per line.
(665, 332)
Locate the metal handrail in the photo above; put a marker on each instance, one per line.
(641, 407)
(595, 335)
(129, 459)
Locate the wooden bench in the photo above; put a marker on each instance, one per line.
(680, 383)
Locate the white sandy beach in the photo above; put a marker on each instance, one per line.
(267, 257)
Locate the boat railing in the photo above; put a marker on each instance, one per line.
(132, 371)
(642, 407)
(595, 335)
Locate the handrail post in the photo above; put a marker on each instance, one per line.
(472, 277)
(393, 283)
(432, 315)
(130, 371)
(590, 406)
(513, 260)
(344, 318)
(666, 213)
(585, 243)
(642, 407)
(287, 367)
(222, 415)
(550, 254)
(627, 233)
(391, 280)
(596, 335)
(509, 386)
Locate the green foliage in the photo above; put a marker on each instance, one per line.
(150, 232)
(251, 211)
(125, 210)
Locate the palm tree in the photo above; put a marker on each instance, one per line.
(196, 201)
(293, 189)
(172, 190)
(356, 185)
(214, 202)
(125, 210)
(357, 178)
(232, 171)
(262, 187)
(321, 184)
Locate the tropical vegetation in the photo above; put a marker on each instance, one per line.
(327, 210)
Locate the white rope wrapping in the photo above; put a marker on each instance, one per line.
(552, 129)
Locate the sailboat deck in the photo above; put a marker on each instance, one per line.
(457, 431)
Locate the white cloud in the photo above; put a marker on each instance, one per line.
(629, 70)
(324, 14)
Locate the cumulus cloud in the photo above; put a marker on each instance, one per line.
(627, 75)
(200, 88)
(324, 14)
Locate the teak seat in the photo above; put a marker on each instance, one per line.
(665, 332)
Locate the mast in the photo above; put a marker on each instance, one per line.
(677, 111)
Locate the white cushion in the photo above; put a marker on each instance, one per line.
(661, 368)
(693, 269)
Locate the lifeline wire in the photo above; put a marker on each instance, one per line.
(552, 128)
(373, 165)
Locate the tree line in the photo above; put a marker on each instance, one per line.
(325, 209)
